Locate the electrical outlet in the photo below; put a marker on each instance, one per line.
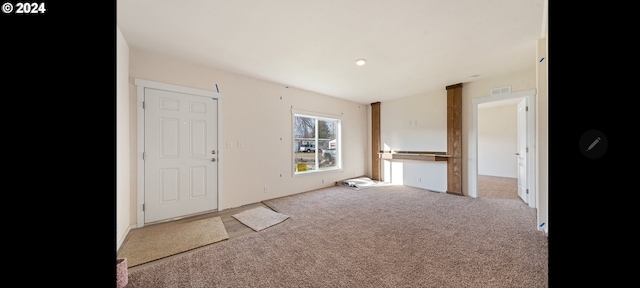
(266, 189)
(419, 179)
(322, 181)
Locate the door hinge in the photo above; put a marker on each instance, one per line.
(143, 206)
(527, 150)
(142, 104)
(142, 155)
(526, 108)
(527, 193)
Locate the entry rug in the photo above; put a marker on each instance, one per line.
(157, 241)
(260, 218)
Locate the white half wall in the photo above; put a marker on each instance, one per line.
(415, 123)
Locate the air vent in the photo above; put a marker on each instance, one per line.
(500, 90)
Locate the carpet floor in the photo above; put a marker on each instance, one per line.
(392, 236)
(497, 187)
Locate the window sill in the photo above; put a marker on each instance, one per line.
(295, 173)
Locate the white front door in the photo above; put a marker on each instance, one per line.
(522, 150)
(180, 153)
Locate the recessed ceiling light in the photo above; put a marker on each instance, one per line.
(360, 62)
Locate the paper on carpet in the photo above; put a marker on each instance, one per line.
(260, 218)
(360, 183)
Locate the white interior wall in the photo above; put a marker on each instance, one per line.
(542, 136)
(418, 123)
(519, 81)
(428, 112)
(158, 68)
(415, 123)
(123, 141)
(256, 115)
(498, 140)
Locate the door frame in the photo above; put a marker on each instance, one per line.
(141, 85)
(522, 135)
(529, 95)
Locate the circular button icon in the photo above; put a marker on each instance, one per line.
(593, 144)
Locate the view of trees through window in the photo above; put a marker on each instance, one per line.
(315, 143)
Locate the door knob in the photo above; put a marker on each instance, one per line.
(517, 153)
(213, 159)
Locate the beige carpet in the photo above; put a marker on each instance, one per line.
(260, 218)
(497, 187)
(162, 240)
(381, 237)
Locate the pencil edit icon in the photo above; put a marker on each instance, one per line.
(593, 144)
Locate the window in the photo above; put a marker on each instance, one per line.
(316, 142)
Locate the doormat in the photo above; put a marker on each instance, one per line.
(157, 241)
(260, 218)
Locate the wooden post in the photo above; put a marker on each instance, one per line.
(454, 139)
(375, 141)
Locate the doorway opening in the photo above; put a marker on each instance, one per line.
(497, 149)
(497, 141)
(525, 171)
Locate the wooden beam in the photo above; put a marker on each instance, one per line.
(375, 141)
(454, 139)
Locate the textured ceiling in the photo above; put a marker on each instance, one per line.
(411, 46)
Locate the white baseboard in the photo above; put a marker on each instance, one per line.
(124, 236)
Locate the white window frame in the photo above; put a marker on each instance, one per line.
(318, 116)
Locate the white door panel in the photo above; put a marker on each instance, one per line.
(522, 150)
(180, 142)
